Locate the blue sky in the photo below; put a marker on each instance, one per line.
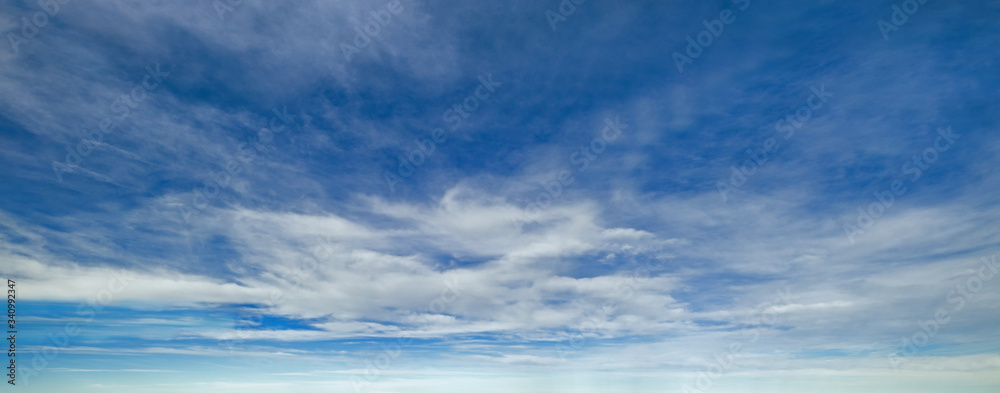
(517, 196)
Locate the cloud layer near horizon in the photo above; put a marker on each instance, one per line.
(528, 208)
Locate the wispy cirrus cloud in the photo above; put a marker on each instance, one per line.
(309, 263)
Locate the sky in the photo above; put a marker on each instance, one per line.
(507, 196)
